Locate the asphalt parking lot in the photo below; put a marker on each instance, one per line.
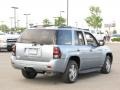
(11, 79)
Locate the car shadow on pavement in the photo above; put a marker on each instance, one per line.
(57, 79)
(88, 75)
(44, 79)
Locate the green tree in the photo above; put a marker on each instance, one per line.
(94, 20)
(20, 29)
(46, 22)
(59, 21)
(4, 28)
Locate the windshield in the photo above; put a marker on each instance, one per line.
(43, 36)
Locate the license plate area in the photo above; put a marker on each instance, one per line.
(33, 51)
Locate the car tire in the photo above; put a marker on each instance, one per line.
(29, 73)
(107, 65)
(71, 73)
(9, 49)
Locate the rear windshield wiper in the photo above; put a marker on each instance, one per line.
(35, 43)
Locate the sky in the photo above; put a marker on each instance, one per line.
(41, 9)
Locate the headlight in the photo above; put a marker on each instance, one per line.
(2, 40)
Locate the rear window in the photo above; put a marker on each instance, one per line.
(60, 37)
(38, 36)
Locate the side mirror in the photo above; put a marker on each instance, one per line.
(101, 43)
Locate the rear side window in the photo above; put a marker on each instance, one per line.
(64, 37)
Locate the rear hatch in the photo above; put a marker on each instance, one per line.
(36, 45)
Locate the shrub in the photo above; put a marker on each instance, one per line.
(116, 39)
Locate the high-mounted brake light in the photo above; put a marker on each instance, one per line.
(56, 53)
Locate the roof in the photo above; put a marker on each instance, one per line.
(61, 28)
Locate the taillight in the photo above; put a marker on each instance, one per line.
(14, 50)
(56, 53)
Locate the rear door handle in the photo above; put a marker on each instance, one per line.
(99, 49)
(78, 50)
(91, 50)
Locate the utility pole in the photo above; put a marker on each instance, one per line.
(61, 12)
(15, 17)
(11, 21)
(67, 12)
(27, 20)
(18, 23)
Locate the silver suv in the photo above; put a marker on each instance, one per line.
(68, 51)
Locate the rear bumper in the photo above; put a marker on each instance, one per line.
(57, 65)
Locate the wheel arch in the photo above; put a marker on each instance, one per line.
(76, 59)
(111, 55)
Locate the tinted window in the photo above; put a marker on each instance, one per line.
(60, 37)
(38, 36)
(64, 37)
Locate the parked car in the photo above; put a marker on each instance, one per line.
(66, 50)
(11, 40)
(115, 37)
(100, 35)
(7, 40)
(3, 40)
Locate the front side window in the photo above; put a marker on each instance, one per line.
(90, 39)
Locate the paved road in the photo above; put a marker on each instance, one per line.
(11, 79)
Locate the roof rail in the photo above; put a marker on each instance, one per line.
(86, 29)
(65, 27)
